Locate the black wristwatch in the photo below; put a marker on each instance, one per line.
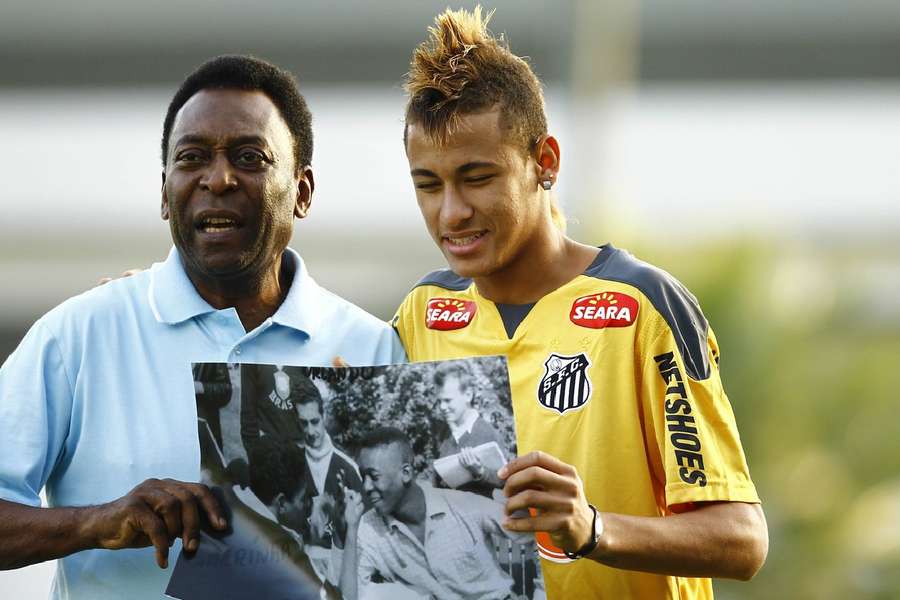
(596, 532)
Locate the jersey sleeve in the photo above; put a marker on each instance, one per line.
(35, 411)
(693, 426)
(403, 324)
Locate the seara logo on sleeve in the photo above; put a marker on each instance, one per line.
(606, 309)
(446, 314)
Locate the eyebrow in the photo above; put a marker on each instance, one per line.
(461, 170)
(193, 138)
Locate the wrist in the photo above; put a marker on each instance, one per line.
(595, 534)
(88, 527)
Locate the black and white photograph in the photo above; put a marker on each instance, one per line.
(358, 483)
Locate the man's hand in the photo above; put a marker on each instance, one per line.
(128, 273)
(554, 492)
(353, 509)
(469, 460)
(153, 514)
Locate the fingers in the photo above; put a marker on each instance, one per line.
(338, 362)
(209, 503)
(543, 522)
(130, 272)
(188, 519)
(541, 479)
(152, 526)
(536, 459)
(541, 500)
(103, 280)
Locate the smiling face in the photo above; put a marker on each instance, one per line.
(386, 476)
(231, 189)
(454, 400)
(479, 195)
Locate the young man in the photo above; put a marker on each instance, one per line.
(629, 453)
(435, 541)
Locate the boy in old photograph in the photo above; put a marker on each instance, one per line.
(435, 541)
(466, 428)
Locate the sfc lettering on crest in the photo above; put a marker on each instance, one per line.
(565, 385)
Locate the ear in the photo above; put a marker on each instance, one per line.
(164, 205)
(406, 473)
(546, 156)
(306, 184)
(280, 503)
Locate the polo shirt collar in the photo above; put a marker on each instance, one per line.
(174, 299)
(302, 307)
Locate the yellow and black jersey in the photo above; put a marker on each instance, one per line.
(616, 372)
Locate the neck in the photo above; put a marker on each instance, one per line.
(548, 261)
(411, 509)
(255, 297)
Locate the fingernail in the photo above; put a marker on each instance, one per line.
(192, 544)
(502, 473)
(221, 522)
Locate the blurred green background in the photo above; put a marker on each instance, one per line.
(747, 147)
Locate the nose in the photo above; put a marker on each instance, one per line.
(455, 210)
(219, 177)
(367, 484)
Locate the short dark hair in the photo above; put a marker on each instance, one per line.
(275, 468)
(248, 73)
(304, 391)
(387, 436)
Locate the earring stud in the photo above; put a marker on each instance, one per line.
(546, 184)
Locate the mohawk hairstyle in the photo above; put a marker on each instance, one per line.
(462, 69)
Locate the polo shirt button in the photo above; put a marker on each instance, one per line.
(237, 350)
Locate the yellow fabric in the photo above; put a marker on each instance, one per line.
(618, 440)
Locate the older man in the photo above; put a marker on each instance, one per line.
(98, 399)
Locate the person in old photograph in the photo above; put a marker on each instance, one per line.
(218, 392)
(327, 474)
(268, 406)
(466, 428)
(435, 541)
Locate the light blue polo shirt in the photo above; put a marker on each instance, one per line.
(99, 396)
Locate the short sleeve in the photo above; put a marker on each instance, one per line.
(368, 564)
(402, 324)
(693, 426)
(35, 412)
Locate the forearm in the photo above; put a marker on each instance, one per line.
(349, 578)
(726, 539)
(30, 535)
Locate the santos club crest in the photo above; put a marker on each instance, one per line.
(565, 385)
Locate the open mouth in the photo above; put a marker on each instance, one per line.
(464, 240)
(216, 223)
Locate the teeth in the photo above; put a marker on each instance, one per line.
(217, 224)
(462, 241)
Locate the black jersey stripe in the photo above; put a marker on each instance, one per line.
(669, 297)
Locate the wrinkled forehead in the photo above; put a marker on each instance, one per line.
(219, 115)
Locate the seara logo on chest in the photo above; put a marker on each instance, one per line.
(606, 309)
(446, 314)
(565, 385)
